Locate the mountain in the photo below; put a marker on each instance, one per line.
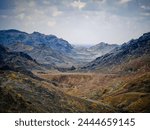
(102, 48)
(52, 41)
(44, 54)
(87, 54)
(17, 61)
(11, 36)
(45, 49)
(128, 57)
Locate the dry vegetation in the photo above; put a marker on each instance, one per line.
(21, 93)
(74, 92)
(127, 92)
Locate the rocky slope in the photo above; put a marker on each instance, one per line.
(130, 56)
(8, 37)
(46, 49)
(21, 93)
(17, 61)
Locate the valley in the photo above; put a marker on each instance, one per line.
(44, 73)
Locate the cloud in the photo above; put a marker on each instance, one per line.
(4, 16)
(46, 2)
(145, 14)
(145, 7)
(124, 1)
(101, 1)
(56, 12)
(31, 3)
(78, 4)
(51, 23)
(21, 16)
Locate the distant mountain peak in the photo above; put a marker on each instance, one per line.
(36, 33)
(103, 43)
(103, 47)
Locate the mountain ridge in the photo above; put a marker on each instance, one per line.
(51, 50)
(17, 61)
(54, 51)
(120, 55)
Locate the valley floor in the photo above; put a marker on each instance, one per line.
(126, 92)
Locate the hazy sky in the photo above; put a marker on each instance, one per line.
(79, 21)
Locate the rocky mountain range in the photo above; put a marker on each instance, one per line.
(50, 50)
(130, 56)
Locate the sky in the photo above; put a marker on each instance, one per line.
(82, 22)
